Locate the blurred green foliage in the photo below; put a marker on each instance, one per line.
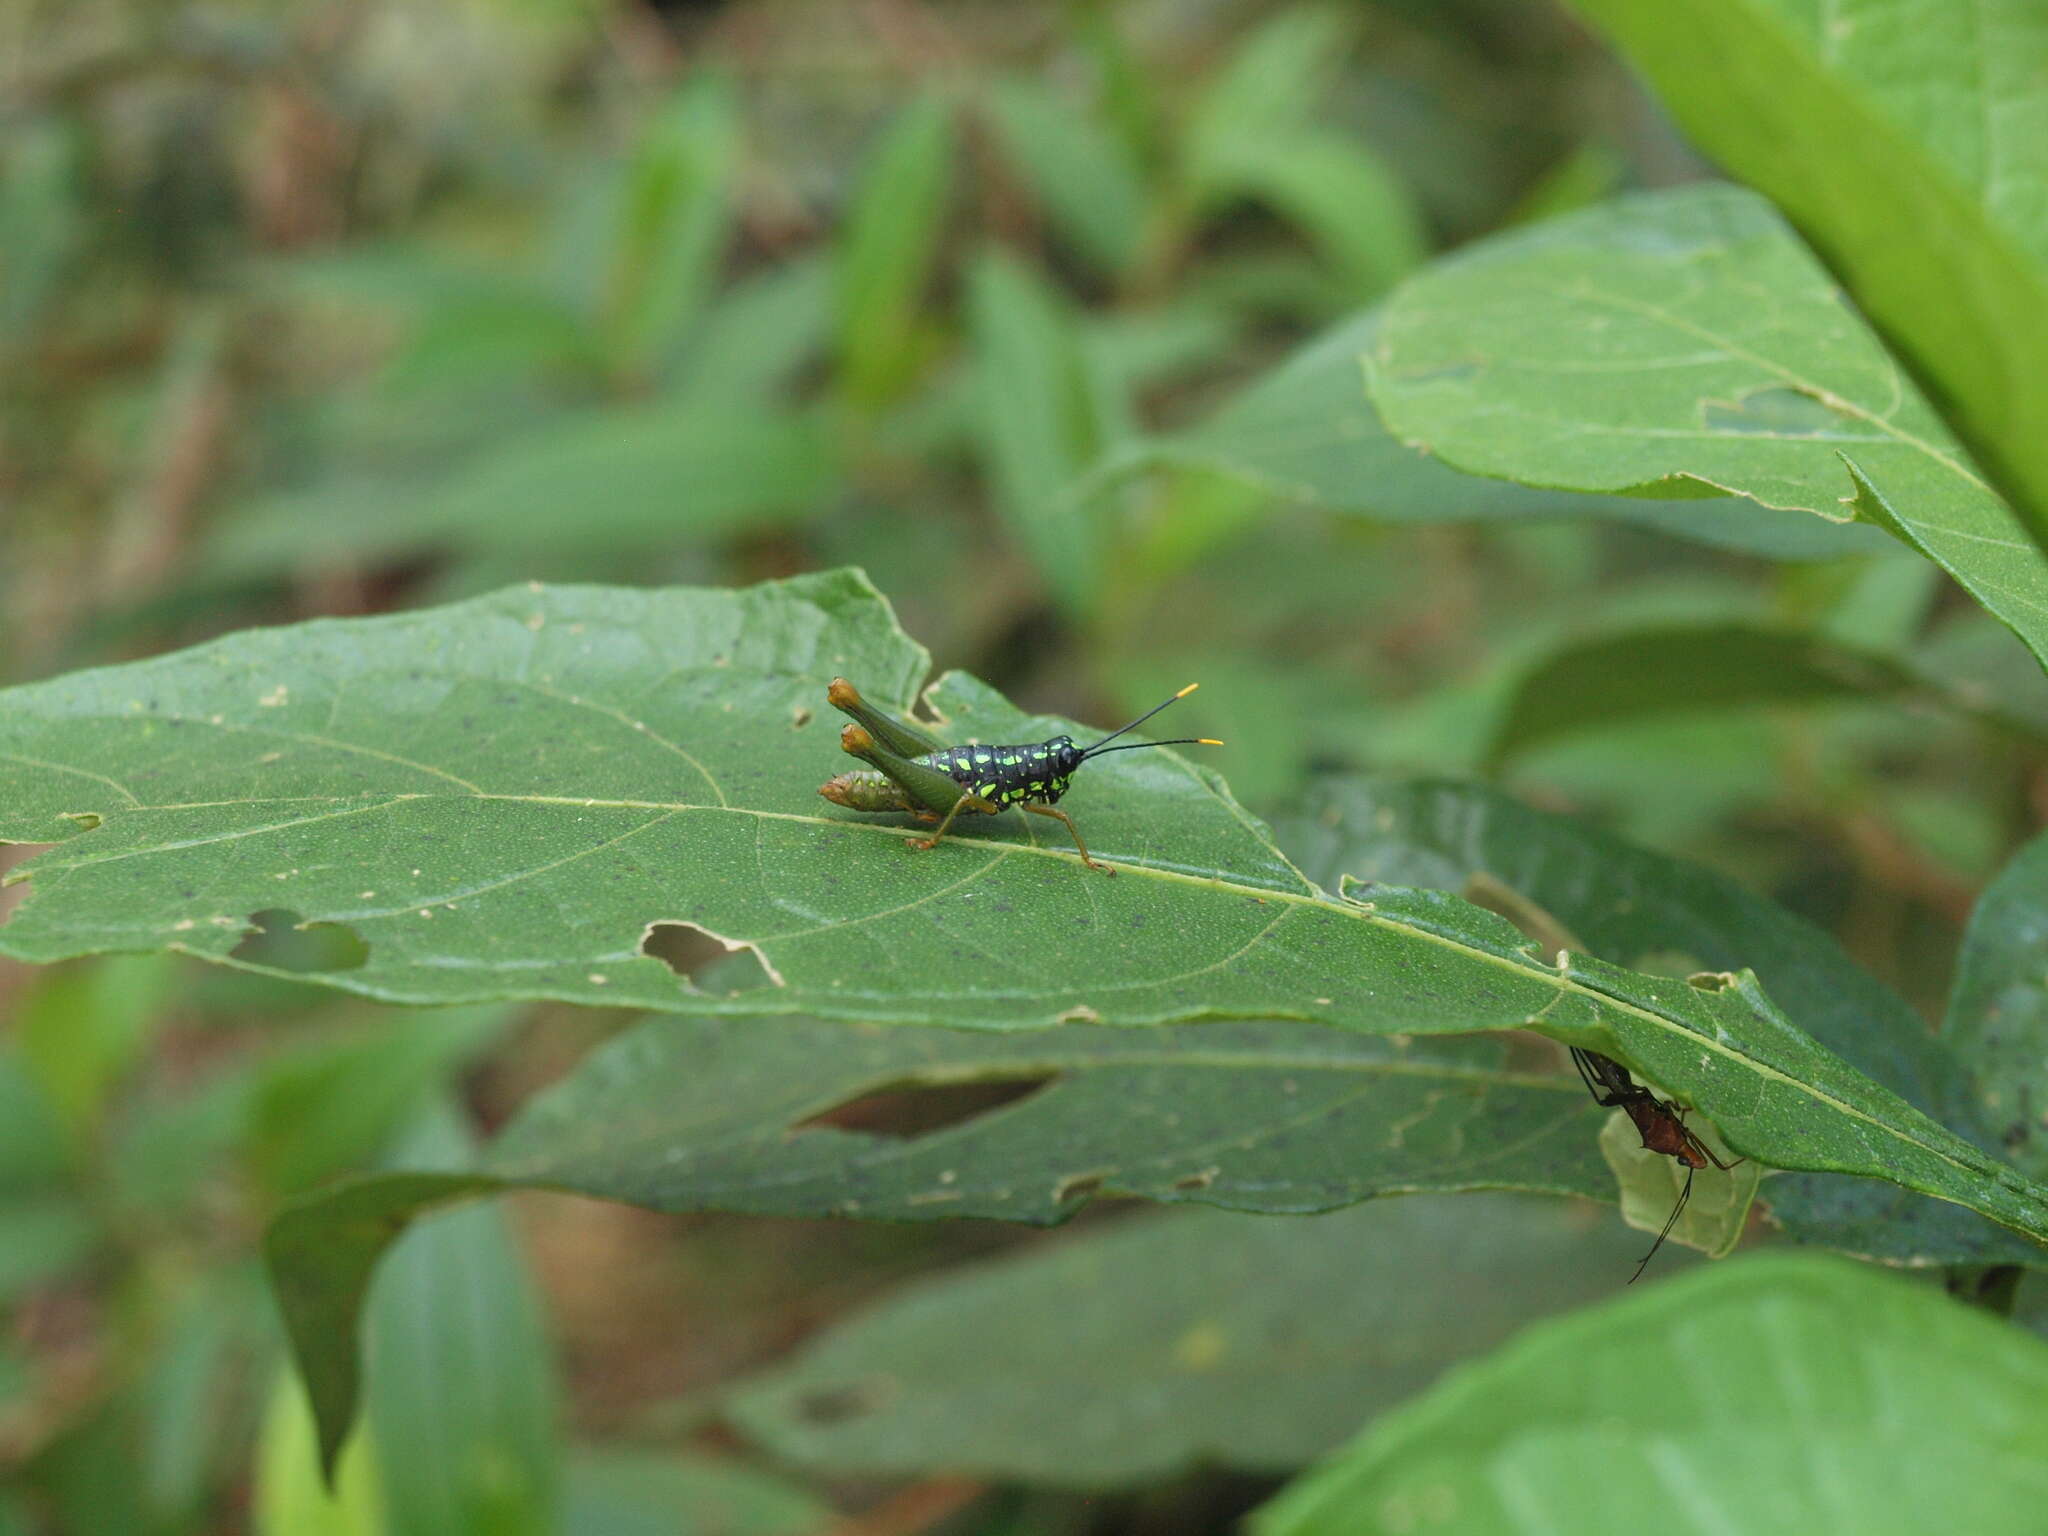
(315, 308)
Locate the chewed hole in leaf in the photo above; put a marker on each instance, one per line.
(1711, 981)
(1776, 412)
(1671, 964)
(703, 958)
(905, 1111)
(1079, 1187)
(280, 940)
(14, 888)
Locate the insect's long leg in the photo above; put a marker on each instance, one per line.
(1586, 1077)
(1596, 1081)
(1704, 1150)
(1059, 815)
(964, 803)
(1670, 1221)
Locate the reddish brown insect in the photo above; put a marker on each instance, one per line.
(1661, 1124)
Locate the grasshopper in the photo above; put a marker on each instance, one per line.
(913, 773)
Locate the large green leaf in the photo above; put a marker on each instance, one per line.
(1998, 1011)
(1909, 143)
(1126, 1354)
(710, 1114)
(1307, 433)
(1654, 913)
(1772, 1395)
(502, 798)
(1686, 343)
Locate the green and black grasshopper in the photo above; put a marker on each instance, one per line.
(933, 782)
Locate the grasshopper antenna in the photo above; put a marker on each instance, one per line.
(1179, 741)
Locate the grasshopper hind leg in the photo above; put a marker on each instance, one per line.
(964, 803)
(1059, 815)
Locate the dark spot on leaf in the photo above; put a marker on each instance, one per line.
(1194, 1181)
(1080, 1187)
(86, 820)
(801, 718)
(906, 1110)
(835, 1405)
(279, 940)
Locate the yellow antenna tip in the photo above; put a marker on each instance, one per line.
(1207, 741)
(1191, 687)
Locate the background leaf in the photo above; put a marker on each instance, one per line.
(887, 250)
(290, 1499)
(1911, 157)
(662, 1493)
(1086, 178)
(1604, 681)
(1306, 433)
(1558, 1430)
(814, 1119)
(1998, 1011)
(674, 216)
(1251, 1342)
(1037, 423)
(720, 1114)
(461, 1406)
(1687, 340)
